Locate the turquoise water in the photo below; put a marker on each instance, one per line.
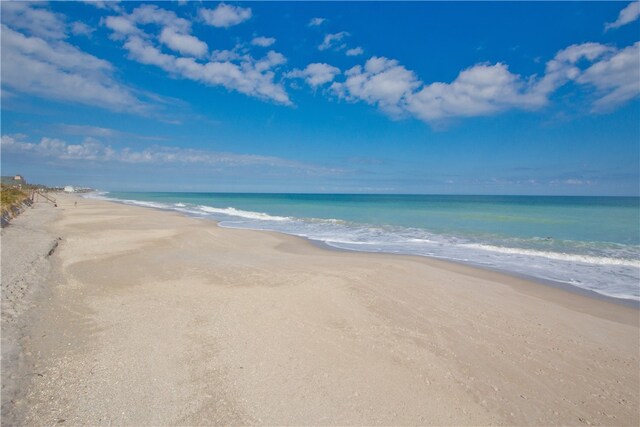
(588, 242)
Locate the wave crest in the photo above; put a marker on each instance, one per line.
(585, 259)
(244, 214)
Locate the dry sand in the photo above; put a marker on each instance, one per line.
(153, 318)
(26, 245)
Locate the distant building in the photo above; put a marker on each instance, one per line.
(13, 180)
(69, 189)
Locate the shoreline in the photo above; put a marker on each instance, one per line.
(578, 297)
(573, 289)
(158, 318)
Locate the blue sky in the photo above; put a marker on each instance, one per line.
(373, 97)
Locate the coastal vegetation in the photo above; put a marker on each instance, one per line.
(16, 195)
(11, 197)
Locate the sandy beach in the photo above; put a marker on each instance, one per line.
(153, 318)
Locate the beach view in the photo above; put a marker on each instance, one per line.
(320, 213)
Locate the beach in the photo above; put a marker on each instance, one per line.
(149, 317)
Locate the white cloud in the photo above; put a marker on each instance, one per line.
(60, 71)
(382, 82)
(226, 55)
(626, 16)
(120, 26)
(225, 15)
(486, 89)
(105, 4)
(124, 26)
(33, 19)
(9, 142)
(142, 51)
(251, 77)
(616, 78)
(354, 51)
(330, 40)
(100, 132)
(86, 130)
(263, 41)
(100, 4)
(56, 53)
(561, 69)
(612, 73)
(316, 74)
(478, 91)
(314, 22)
(81, 29)
(93, 150)
(576, 52)
(228, 68)
(151, 14)
(90, 149)
(185, 44)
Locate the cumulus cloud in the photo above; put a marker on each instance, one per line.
(225, 15)
(611, 72)
(609, 75)
(626, 16)
(331, 40)
(316, 74)
(228, 68)
(263, 41)
(314, 22)
(143, 51)
(562, 68)
(250, 76)
(33, 19)
(92, 149)
(105, 4)
(185, 44)
(616, 78)
(120, 26)
(57, 70)
(151, 14)
(354, 51)
(478, 91)
(381, 82)
(225, 55)
(81, 29)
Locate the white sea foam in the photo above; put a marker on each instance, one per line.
(243, 214)
(95, 195)
(147, 204)
(336, 241)
(585, 259)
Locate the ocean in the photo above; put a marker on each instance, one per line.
(591, 243)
